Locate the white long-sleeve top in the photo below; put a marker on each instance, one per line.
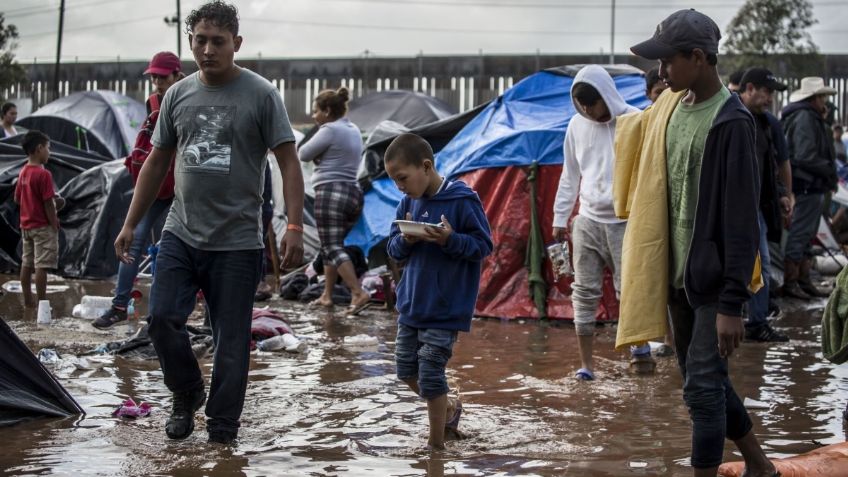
(589, 159)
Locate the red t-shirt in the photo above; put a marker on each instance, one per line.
(35, 185)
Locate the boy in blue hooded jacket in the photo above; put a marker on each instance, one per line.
(438, 291)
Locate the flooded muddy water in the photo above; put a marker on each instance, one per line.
(339, 410)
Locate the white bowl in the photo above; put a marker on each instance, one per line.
(415, 229)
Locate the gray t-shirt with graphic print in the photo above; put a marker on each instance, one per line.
(222, 134)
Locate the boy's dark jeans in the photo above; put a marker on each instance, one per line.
(715, 409)
(228, 280)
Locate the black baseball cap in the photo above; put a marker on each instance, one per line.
(761, 77)
(681, 32)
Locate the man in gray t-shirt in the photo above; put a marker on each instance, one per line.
(220, 121)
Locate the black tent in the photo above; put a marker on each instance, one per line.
(65, 164)
(96, 204)
(437, 133)
(27, 390)
(101, 121)
(408, 108)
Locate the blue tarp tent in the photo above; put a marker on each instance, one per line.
(526, 124)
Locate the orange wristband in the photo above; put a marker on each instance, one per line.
(296, 228)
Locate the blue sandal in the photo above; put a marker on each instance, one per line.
(584, 374)
(453, 424)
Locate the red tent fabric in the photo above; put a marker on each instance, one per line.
(504, 290)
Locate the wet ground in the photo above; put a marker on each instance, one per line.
(339, 410)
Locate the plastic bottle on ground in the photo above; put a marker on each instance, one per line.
(97, 301)
(273, 343)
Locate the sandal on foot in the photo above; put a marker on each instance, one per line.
(453, 423)
(584, 374)
(354, 310)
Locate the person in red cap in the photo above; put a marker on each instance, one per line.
(164, 70)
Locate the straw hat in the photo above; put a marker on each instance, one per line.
(810, 86)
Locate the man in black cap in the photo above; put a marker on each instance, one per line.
(756, 90)
(705, 137)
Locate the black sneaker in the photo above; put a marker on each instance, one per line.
(765, 334)
(181, 422)
(222, 436)
(110, 318)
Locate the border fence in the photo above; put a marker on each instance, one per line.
(461, 81)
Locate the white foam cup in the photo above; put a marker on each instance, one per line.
(44, 312)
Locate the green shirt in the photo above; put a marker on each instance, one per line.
(686, 137)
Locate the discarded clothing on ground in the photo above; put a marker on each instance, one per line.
(139, 346)
(292, 286)
(267, 324)
(835, 322)
(131, 410)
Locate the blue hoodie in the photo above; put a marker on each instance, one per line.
(440, 284)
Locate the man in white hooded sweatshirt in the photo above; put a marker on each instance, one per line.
(596, 234)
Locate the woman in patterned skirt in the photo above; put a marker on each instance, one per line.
(336, 150)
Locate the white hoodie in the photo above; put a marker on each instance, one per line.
(588, 151)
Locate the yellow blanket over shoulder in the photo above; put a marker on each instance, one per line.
(640, 194)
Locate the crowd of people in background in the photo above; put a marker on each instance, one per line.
(704, 207)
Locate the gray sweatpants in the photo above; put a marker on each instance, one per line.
(596, 245)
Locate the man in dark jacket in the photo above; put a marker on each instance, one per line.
(713, 193)
(757, 88)
(813, 174)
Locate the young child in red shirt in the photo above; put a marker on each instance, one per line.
(38, 204)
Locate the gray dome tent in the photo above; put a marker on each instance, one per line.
(104, 122)
(408, 108)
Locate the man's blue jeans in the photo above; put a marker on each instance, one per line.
(714, 407)
(805, 224)
(758, 306)
(141, 240)
(228, 280)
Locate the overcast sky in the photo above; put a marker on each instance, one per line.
(101, 30)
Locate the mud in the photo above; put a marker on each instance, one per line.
(339, 410)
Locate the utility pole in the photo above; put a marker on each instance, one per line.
(58, 50)
(175, 21)
(612, 34)
(179, 32)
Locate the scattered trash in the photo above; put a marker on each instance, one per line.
(287, 342)
(48, 356)
(131, 410)
(754, 404)
(14, 286)
(361, 340)
(91, 307)
(45, 314)
(72, 363)
(638, 464)
(830, 264)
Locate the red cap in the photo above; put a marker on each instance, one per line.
(163, 64)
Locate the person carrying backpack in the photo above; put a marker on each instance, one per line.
(164, 70)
